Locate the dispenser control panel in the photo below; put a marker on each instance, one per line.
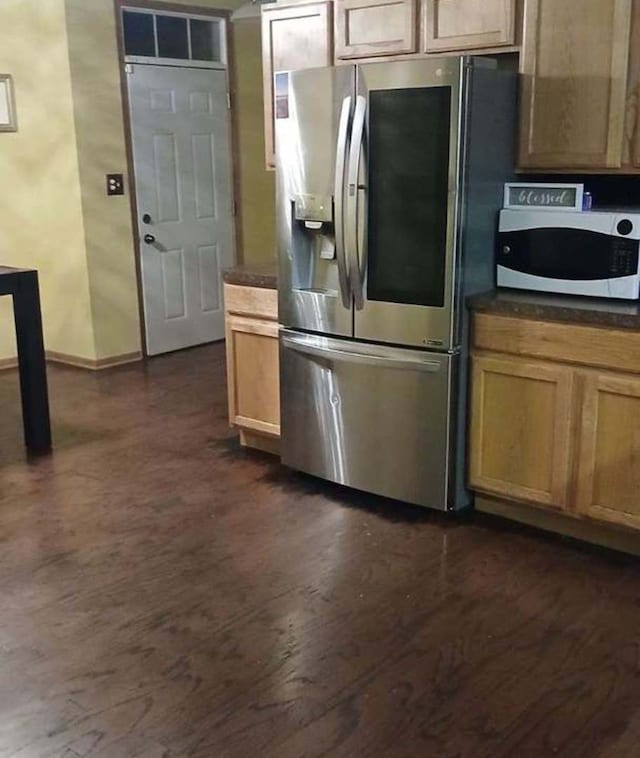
(318, 208)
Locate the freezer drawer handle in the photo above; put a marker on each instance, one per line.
(412, 364)
(341, 160)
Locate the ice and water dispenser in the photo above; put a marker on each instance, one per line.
(314, 244)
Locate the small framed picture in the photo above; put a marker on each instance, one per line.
(8, 121)
(553, 197)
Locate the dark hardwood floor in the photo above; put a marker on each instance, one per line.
(165, 593)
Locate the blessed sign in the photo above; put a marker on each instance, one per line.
(559, 197)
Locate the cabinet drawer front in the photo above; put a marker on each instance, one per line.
(251, 301)
(609, 470)
(375, 27)
(469, 24)
(616, 349)
(520, 430)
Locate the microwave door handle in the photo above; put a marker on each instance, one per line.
(338, 201)
(357, 135)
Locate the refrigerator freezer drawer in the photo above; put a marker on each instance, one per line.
(368, 416)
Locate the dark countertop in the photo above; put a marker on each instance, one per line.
(253, 275)
(592, 311)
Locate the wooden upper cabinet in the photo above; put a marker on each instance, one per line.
(520, 429)
(468, 24)
(574, 62)
(631, 141)
(609, 467)
(293, 37)
(366, 28)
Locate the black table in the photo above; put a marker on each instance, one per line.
(23, 285)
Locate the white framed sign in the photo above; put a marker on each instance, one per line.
(7, 105)
(553, 197)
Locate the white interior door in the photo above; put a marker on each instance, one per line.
(182, 163)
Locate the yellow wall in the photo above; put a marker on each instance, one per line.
(57, 216)
(97, 104)
(257, 185)
(40, 210)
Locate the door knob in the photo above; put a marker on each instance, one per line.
(149, 239)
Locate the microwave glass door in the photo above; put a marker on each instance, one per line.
(404, 206)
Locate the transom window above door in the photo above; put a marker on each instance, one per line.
(173, 37)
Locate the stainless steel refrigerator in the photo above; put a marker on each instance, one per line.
(389, 181)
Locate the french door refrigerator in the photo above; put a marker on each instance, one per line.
(389, 180)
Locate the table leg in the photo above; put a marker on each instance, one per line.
(33, 370)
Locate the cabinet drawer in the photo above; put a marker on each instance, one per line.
(616, 349)
(256, 302)
(365, 28)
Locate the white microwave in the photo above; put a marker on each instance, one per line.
(592, 253)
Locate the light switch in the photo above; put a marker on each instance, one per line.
(115, 184)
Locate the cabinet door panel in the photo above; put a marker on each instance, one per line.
(292, 38)
(574, 64)
(253, 375)
(520, 429)
(469, 24)
(631, 146)
(375, 27)
(609, 469)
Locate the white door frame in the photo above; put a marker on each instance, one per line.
(190, 12)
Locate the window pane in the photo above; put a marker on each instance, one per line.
(205, 40)
(408, 186)
(138, 33)
(172, 37)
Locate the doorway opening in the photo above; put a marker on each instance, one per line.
(176, 88)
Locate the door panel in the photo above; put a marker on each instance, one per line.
(375, 27)
(409, 186)
(292, 38)
(313, 291)
(469, 24)
(373, 418)
(609, 471)
(574, 63)
(521, 429)
(182, 161)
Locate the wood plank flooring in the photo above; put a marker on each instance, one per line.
(164, 593)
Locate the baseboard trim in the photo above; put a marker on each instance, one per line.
(92, 364)
(7, 363)
(612, 537)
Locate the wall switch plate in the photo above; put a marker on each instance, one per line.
(115, 184)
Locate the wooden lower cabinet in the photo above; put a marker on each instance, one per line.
(520, 429)
(608, 480)
(553, 429)
(253, 373)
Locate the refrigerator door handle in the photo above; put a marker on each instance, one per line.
(356, 271)
(319, 349)
(338, 200)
